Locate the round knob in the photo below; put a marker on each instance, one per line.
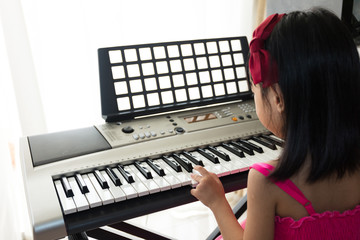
(179, 130)
(127, 129)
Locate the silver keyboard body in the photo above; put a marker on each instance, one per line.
(45, 212)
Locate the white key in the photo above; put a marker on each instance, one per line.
(160, 181)
(212, 167)
(149, 183)
(262, 157)
(272, 155)
(181, 176)
(248, 160)
(235, 161)
(170, 178)
(104, 194)
(194, 183)
(187, 175)
(117, 193)
(230, 165)
(253, 158)
(137, 184)
(67, 204)
(127, 188)
(278, 151)
(92, 196)
(79, 199)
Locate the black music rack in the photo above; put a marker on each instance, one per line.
(145, 79)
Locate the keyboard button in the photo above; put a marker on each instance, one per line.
(242, 147)
(193, 158)
(149, 183)
(117, 193)
(67, 188)
(168, 176)
(104, 194)
(143, 169)
(274, 140)
(185, 163)
(160, 180)
(220, 154)
(113, 176)
(101, 179)
(83, 187)
(67, 203)
(156, 167)
(91, 196)
(233, 150)
(182, 177)
(138, 185)
(79, 199)
(172, 163)
(129, 178)
(127, 188)
(251, 145)
(206, 153)
(264, 142)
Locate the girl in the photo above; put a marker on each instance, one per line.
(306, 82)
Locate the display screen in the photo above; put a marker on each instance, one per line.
(200, 118)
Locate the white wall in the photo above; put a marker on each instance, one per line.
(49, 70)
(65, 35)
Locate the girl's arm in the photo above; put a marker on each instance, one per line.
(261, 203)
(211, 193)
(260, 206)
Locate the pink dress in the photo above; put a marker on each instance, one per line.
(326, 225)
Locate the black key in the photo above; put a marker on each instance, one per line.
(208, 155)
(183, 162)
(68, 190)
(233, 150)
(101, 179)
(243, 148)
(82, 185)
(172, 163)
(192, 158)
(275, 141)
(254, 147)
(156, 167)
(264, 142)
(115, 179)
(143, 170)
(129, 178)
(219, 153)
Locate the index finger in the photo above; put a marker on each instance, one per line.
(201, 170)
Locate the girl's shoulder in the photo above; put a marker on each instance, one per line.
(264, 167)
(257, 179)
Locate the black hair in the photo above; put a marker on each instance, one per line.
(319, 76)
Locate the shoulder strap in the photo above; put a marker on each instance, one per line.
(287, 186)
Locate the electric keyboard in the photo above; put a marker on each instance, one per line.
(130, 176)
(168, 107)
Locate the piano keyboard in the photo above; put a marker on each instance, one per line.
(112, 172)
(116, 183)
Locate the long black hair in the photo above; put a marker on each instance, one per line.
(319, 76)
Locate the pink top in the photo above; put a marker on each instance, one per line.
(326, 225)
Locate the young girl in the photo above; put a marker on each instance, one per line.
(306, 82)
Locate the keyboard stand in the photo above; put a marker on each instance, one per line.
(129, 231)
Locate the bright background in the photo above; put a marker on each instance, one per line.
(49, 73)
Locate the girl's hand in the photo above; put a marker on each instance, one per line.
(210, 190)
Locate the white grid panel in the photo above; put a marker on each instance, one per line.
(153, 75)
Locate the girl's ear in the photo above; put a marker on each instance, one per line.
(278, 99)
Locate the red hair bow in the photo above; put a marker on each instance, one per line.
(259, 62)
